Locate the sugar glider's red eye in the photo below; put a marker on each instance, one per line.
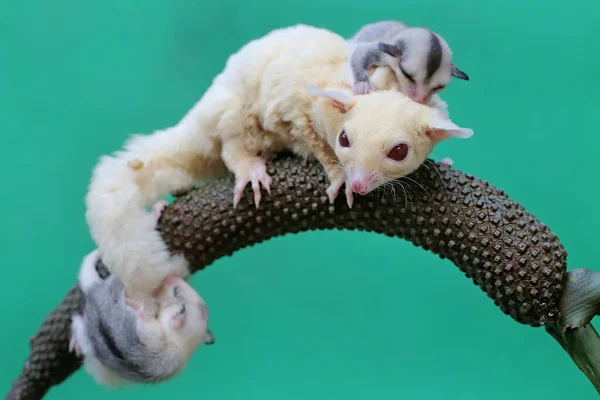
(398, 152)
(344, 141)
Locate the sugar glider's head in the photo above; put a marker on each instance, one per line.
(422, 62)
(183, 313)
(381, 136)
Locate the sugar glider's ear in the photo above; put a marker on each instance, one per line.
(443, 129)
(209, 338)
(457, 73)
(394, 50)
(340, 99)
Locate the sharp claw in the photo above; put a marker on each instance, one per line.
(238, 191)
(331, 194)
(257, 176)
(349, 195)
(257, 195)
(266, 182)
(334, 189)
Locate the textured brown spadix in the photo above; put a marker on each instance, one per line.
(514, 258)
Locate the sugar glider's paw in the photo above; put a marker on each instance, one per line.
(256, 174)
(363, 88)
(158, 208)
(334, 188)
(139, 308)
(76, 328)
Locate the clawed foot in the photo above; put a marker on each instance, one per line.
(138, 306)
(158, 208)
(364, 88)
(334, 189)
(257, 176)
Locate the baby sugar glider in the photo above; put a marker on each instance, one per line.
(420, 58)
(122, 343)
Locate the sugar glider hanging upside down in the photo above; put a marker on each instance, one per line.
(122, 342)
(420, 58)
(286, 90)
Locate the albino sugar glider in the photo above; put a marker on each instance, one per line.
(420, 58)
(286, 90)
(122, 343)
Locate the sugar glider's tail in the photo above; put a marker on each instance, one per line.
(149, 168)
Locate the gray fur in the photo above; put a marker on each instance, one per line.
(379, 43)
(367, 50)
(378, 31)
(363, 56)
(111, 327)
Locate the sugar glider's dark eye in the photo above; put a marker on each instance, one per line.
(176, 291)
(344, 141)
(182, 309)
(399, 152)
(406, 74)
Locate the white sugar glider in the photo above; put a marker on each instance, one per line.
(121, 343)
(288, 90)
(420, 58)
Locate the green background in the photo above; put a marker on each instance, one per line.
(319, 315)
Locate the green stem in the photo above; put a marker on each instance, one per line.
(575, 333)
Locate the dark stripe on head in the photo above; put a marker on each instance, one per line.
(434, 56)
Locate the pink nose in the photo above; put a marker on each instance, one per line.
(359, 187)
(419, 98)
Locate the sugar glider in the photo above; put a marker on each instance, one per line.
(123, 343)
(288, 90)
(420, 58)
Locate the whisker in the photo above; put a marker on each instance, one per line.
(421, 186)
(393, 191)
(389, 185)
(406, 196)
(438, 173)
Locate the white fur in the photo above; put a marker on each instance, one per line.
(258, 103)
(88, 276)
